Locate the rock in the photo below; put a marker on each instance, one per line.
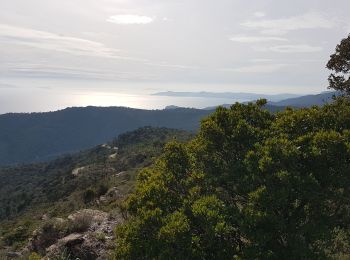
(71, 240)
(92, 243)
(78, 170)
(113, 194)
(120, 173)
(13, 254)
(68, 244)
(113, 156)
(102, 198)
(59, 220)
(53, 250)
(48, 234)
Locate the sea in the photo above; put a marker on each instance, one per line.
(28, 95)
(47, 94)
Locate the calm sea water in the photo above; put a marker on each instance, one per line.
(47, 95)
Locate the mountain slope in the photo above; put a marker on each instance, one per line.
(42, 136)
(307, 101)
(73, 182)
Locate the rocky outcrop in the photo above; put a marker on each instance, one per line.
(78, 171)
(111, 195)
(86, 234)
(70, 245)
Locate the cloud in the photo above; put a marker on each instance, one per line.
(284, 25)
(130, 19)
(10, 86)
(174, 66)
(254, 39)
(259, 60)
(295, 48)
(66, 72)
(264, 68)
(54, 42)
(259, 14)
(71, 45)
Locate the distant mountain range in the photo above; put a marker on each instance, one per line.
(34, 137)
(298, 102)
(227, 95)
(308, 100)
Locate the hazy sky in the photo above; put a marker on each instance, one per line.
(271, 46)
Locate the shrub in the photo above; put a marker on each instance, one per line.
(80, 222)
(102, 189)
(88, 196)
(34, 256)
(100, 236)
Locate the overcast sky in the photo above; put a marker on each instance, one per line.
(272, 46)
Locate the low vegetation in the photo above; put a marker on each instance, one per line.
(30, 194)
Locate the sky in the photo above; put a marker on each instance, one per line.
(115, 52)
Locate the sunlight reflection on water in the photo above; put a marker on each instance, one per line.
(40, 96)
(148, 101)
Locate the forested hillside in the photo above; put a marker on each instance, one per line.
(36, 137)
(308, 100)
(44, 136)
(73, 182)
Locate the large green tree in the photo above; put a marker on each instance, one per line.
(251, 185)
(339, 64)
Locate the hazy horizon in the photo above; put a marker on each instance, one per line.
(116, 53)
(47, 95)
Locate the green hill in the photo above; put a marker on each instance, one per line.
(39, 137)
(73, 182)
(307, 100)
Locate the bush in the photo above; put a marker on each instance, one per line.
(18, 235)
(50, 232)
(80, 222)
(64, 255)
(102, 189)
(34, 256)
(100, 236)
(88, 196)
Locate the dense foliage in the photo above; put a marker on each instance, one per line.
(339, 64)
(251, 185)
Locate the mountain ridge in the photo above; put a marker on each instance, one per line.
(234, 95)
(41, 136)
(35, 137)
